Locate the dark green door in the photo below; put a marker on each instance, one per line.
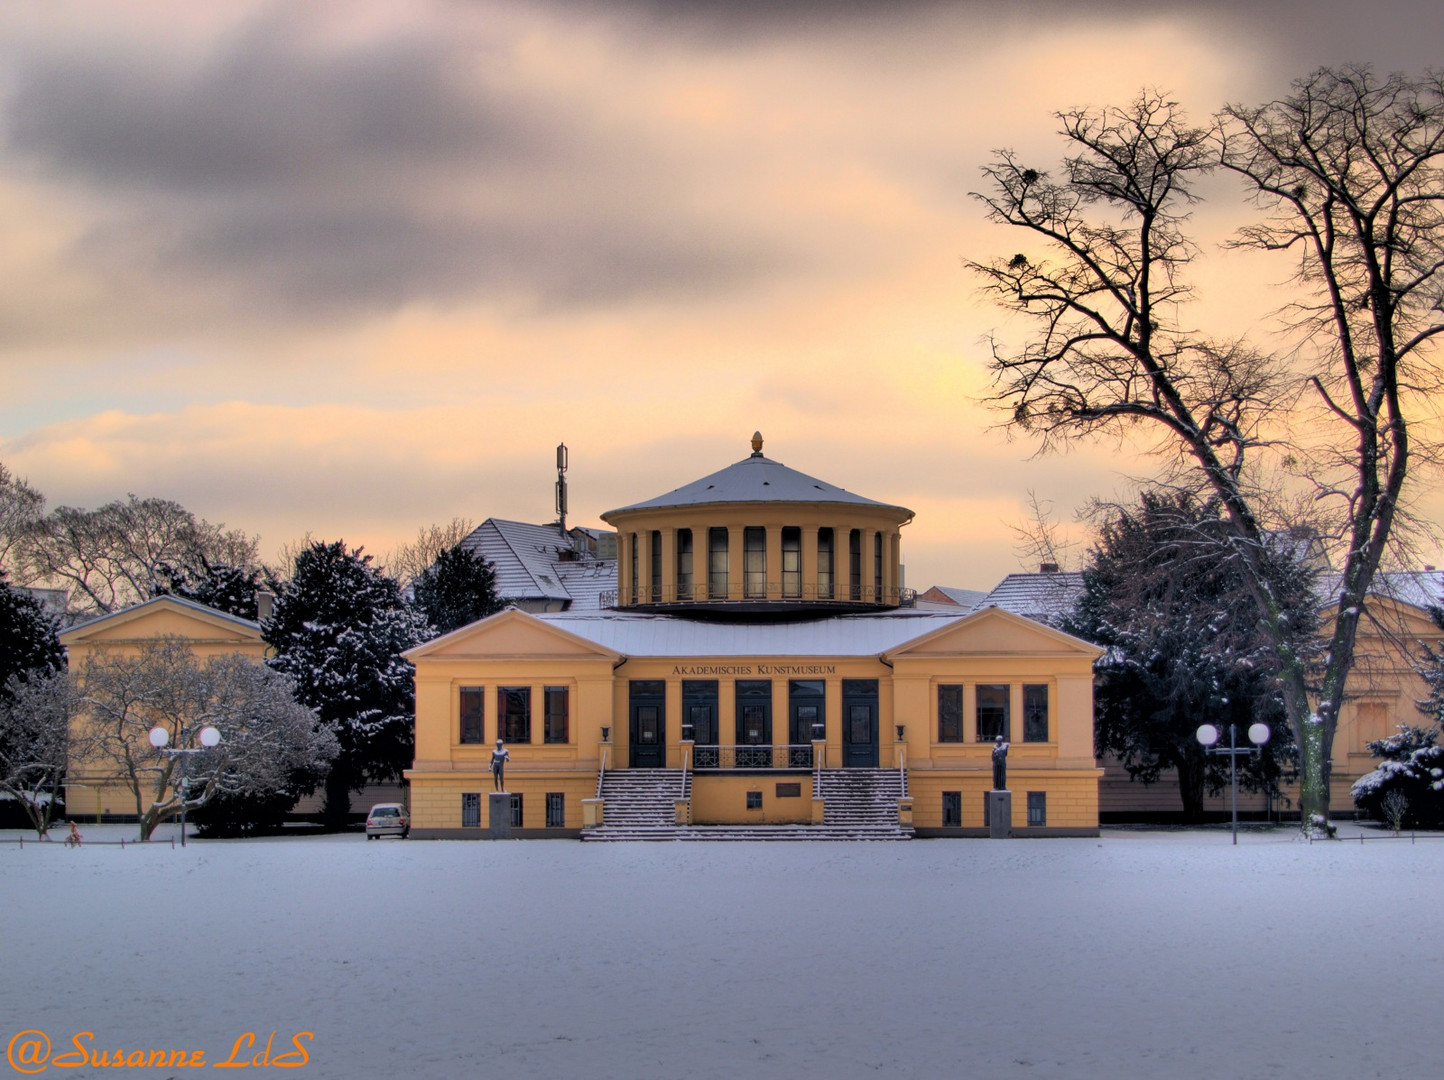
(699, 710)
(805, 703)
(649, 724)
(754, 723)
(859, 724)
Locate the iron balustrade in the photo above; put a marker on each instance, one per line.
(780, 758)
(772, 593)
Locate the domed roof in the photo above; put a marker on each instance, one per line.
(757, 479)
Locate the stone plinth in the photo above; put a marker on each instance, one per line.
(1000, 814)
(500, 815)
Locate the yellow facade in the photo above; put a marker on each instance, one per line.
(754, 681)
(89, 788)
(1383, 692)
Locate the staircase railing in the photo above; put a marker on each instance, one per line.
(602, 770)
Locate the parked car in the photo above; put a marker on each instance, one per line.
(387, 819)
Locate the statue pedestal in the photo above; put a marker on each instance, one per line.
(1000, 814)
(500, 815)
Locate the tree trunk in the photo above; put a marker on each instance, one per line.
(336, 810)
(1190, 786)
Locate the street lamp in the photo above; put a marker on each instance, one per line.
(1258, 734)
(160, 737)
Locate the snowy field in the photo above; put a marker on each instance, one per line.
(1138, 955)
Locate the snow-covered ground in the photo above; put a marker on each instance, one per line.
(1138, 955)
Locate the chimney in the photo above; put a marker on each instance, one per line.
(265, 604)
(1048, 568)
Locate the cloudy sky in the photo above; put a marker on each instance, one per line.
(354, 267)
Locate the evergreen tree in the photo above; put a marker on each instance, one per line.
(231, 589)
(1412, 770)
(338, 630)
(29, 641)
(1167, 600)
(457, 589)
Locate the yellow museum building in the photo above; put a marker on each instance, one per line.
(760, 670)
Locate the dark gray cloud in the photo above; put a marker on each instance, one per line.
(298, 175)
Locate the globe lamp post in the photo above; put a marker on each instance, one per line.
(159, 737)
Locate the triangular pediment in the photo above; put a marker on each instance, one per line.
(510, 634)
(996, 632)
(164, 616)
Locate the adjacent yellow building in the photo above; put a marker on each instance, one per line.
(89, 786)
(761, 670)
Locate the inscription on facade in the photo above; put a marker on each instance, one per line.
(754, 669)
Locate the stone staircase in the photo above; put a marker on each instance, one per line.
(861, 804)
(861, 796)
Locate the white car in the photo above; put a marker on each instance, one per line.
(387, 819)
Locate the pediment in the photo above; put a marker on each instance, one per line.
(996, 632)
(164, 616)
(510, 634)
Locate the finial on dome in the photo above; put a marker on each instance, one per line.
(757, 444)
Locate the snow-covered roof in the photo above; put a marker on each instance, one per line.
(168, 599)
(1045, 597)
(1422, 588)
(585, 581)
(529, 563)
(636, 634)
(1041, 596)
(967, 599)
(756, 479)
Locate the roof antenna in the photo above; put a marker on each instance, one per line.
(562, 488)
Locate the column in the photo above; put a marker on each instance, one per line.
(809, 561)
(669, 566)
(734, 562)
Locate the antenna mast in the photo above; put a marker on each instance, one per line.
(562, 488)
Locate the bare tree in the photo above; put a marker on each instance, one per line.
(407, 561)
(35, 742)
(20, 507)
(111, 557)
(266, 737)
(1348, 167)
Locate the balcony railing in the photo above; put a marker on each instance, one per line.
(772, 593)
(709, 758)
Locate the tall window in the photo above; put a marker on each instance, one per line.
(513, 713)
(952, 808)
(792, 563)
(992, 712)
(824, 564)
(717, 563)
(1037, 808)
(1035, 712)
(656, 596)
(556, 810)
(471, 810)
(854, 564)
(684, 564)
(516, 812)
(558, 707)
(473, 707)
(754, 562)
(636, 568)
(877, 567)
(950, 714)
